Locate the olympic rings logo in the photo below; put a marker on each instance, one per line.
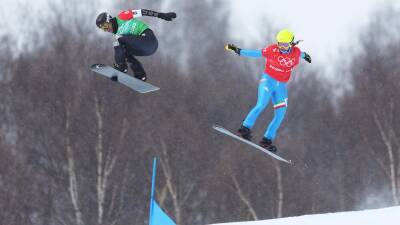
(288, 62)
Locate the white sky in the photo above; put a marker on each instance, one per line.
(327, 27)
(384, 216)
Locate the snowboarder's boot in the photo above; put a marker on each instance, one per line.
(267, 144)
(141, 75)
(120, 67)
(245, 132)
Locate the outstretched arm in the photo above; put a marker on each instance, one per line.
(165, 16)
(251, 53)
(244, 52)
(134, 13)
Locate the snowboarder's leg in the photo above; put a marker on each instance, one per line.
(270, 134)
(137, 68)
(142, 45)
(279, 115)
(279, 99)
(120, 58)
(264, 94)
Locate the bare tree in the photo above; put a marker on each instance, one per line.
(80, 144)
(375, 85)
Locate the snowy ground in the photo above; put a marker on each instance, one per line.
(384, 216)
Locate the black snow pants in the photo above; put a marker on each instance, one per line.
(130, 46)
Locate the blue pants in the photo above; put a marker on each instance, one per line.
(267, 89)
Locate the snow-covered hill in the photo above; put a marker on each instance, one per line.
(384, 216)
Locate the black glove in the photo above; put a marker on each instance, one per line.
(167, 16)
(307, 57)
(232, 47)
(121, 67)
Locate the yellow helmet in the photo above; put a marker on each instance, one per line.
(285, 36)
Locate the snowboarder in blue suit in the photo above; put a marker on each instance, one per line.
(281, 58)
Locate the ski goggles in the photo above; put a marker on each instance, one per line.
(284, 46)
(105, 26)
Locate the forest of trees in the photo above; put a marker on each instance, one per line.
(76, 149)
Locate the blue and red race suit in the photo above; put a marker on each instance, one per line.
(272, 85)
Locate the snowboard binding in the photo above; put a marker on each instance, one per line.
(245, 132)
(267, 144)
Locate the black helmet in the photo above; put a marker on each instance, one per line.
(103, 18)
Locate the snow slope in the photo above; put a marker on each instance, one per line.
(384, 216)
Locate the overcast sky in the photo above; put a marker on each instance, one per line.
(325, 26)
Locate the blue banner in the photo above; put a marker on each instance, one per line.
(157, 215)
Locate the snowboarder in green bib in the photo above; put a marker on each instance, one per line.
(132, 38)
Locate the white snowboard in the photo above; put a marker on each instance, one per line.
(123, 78)
(227, 132)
